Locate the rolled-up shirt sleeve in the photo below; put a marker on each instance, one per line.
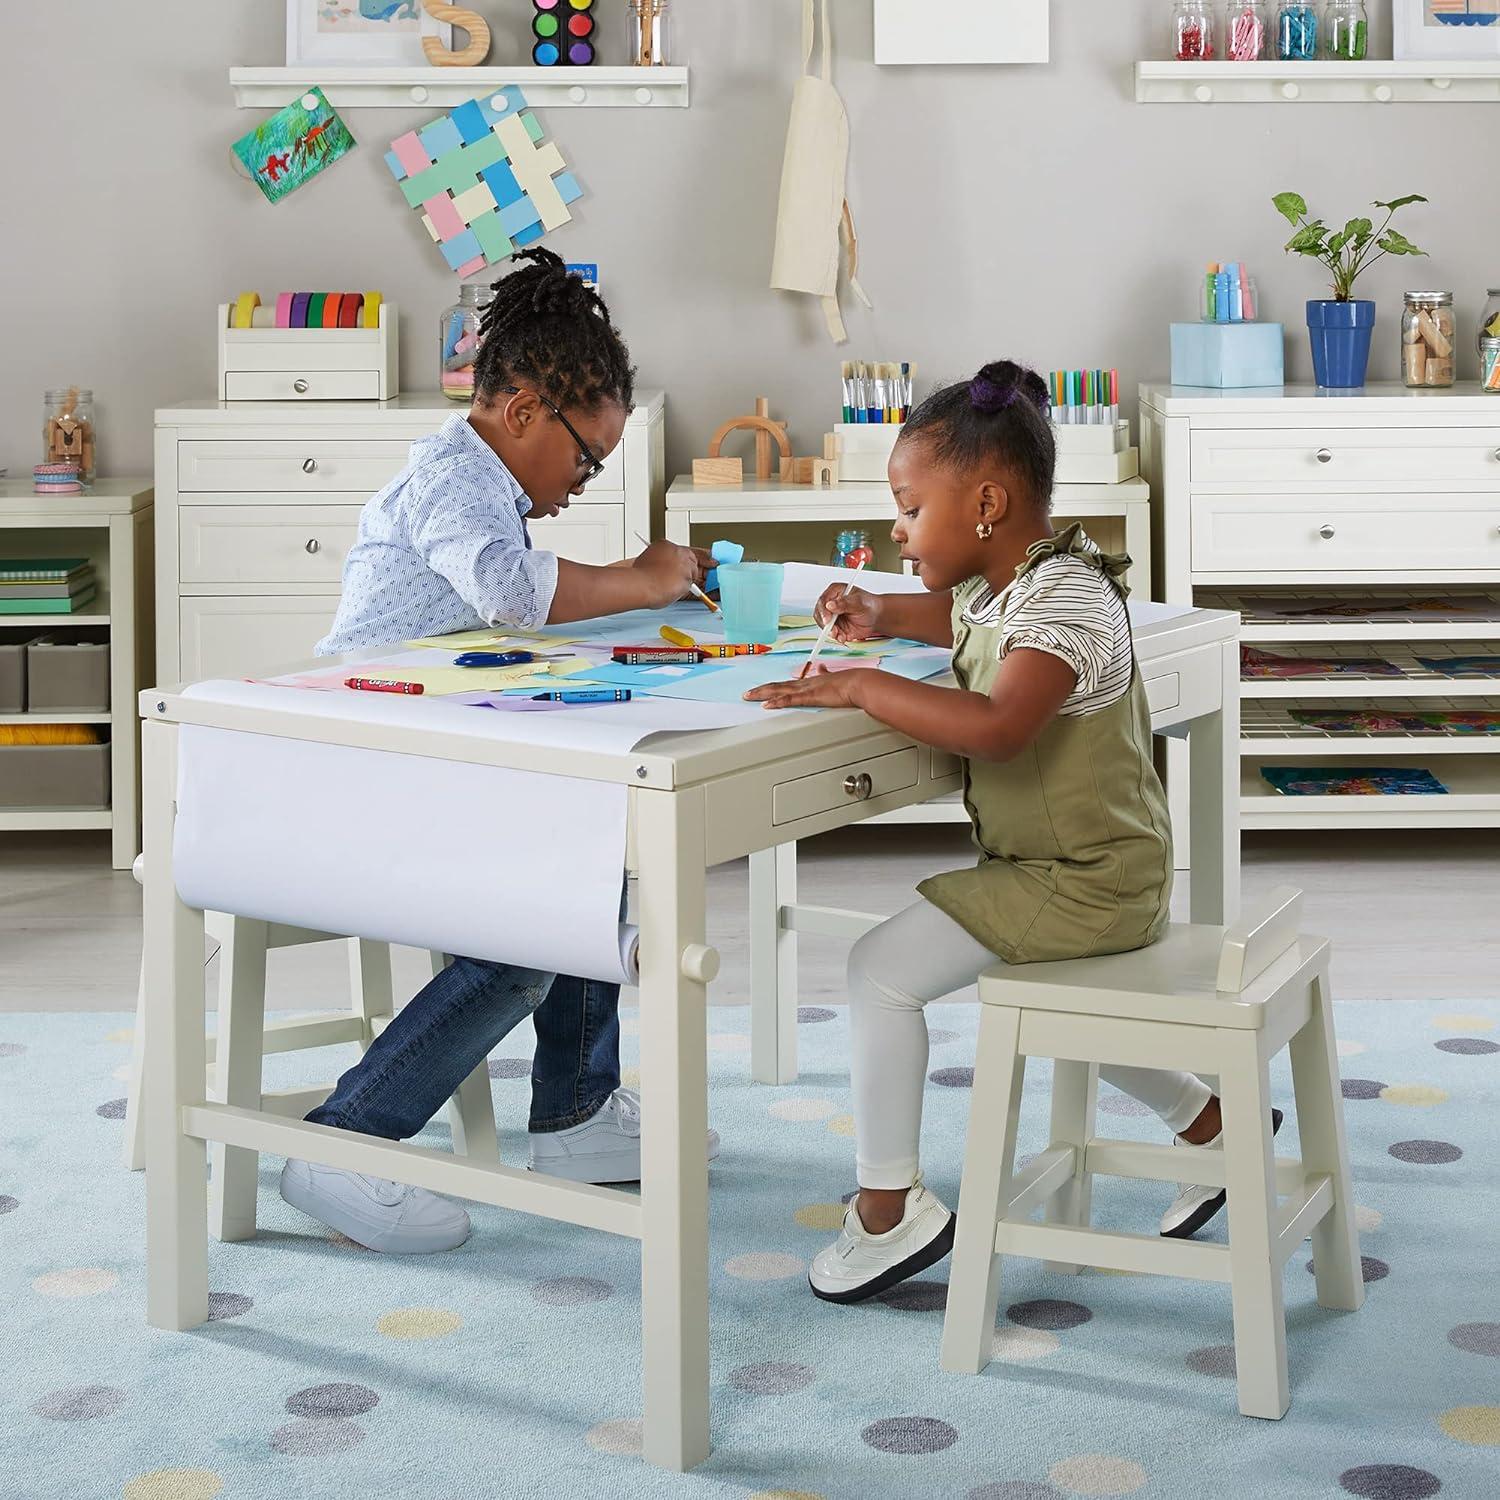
(466, 529)
(1062, 616)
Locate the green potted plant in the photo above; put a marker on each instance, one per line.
(1340, 327)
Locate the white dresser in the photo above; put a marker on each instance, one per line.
(257, 504)
(1358, 533)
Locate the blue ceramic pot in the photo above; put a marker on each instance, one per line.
(1340, 333)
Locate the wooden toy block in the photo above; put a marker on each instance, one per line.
(825, 473)
(466, 20)
(766, 432)
(718, 471)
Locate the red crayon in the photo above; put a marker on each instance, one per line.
(383, 685)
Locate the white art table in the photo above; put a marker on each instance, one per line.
(694, 800)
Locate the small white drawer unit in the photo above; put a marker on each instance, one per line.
(1358, 533)
(258, 504)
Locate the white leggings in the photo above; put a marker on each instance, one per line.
(895, 969)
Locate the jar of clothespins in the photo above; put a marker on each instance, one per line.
(68, 429)
(458, 340)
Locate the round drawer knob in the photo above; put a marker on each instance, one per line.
(859, 787)
(700, 963)
(300, 386)
(313, 545)
(1497, 455)
(309, 465)
(1325, 456)
(1326, 532)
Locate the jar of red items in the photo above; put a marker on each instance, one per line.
(1192, 31)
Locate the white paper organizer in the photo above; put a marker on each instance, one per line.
(307, 364)
(863, 450)
(1098, 454)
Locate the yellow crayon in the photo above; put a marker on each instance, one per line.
(678, 638)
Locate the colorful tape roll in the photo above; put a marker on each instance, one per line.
(299, 309)
(371, 317)
(351, 305)
(331, 310)
(283, 309)
(307, 310)
(244, 309)
(315, 301)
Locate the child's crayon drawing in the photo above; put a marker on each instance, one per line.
(1257, 663)
(294, 145)
(1350, 781)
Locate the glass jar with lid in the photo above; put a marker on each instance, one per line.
(1246, 31)
(1192, 31)
(1427, 334)
(1296, 31)
(1489, 321)
(1347, 28)
(849, 541)
(458, 340)
(68, 429)
(648, 32)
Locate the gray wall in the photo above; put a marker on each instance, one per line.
(1032, 212)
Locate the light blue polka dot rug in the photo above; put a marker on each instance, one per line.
(511, 1366)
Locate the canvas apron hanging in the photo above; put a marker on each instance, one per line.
(813, 213)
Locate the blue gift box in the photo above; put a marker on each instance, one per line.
(1228, 356)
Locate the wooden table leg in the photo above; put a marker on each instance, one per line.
(176, 1164)
(1214, 793)
(773, 966)
(674, 1131)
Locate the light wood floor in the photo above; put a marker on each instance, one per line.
(1412, 915)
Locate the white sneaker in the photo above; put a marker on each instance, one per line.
(606, 1148)
(860, 1264)
(1194, 1204)
(374, 1212)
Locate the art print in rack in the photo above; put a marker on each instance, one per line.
(1446, 30)
(360, 33)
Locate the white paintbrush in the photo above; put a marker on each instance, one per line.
(697, 592)
(827, 629)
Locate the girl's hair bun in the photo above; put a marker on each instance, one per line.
(1001, 382)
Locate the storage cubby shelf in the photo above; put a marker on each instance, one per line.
(445, 88)
(1415, 680)
(1268, 730)
(1472, 799)
(1317, 82)
(1260, 625)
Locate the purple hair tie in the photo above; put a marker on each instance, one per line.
(985, 396)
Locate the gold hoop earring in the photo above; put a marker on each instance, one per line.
(984, 531)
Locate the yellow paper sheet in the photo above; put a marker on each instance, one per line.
(442, 680)
(797, 622)
(491, 640)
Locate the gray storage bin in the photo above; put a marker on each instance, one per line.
(68, 673)
(13, 641)
(54, 775)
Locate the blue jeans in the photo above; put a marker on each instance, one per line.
(449, 1028)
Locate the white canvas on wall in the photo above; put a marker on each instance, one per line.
(961, 31)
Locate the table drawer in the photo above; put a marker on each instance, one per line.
(223, 636)
(306, 466)
(1333, 533)
(1341, 456)
(255, 544)
(858, 781)
(301, 385)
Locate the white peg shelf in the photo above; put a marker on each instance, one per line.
(1324, 82)
(445, 88)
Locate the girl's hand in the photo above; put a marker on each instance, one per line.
(856, 614)
(671, 570)
(821, 689)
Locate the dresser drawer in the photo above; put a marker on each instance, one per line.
(1341, 456)
(302, 385)
(1357, 533)
(305, 467)
(266, 544)
(592, 533)
(859, 781)
(229, 637)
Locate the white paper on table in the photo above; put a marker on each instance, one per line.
(802, 584)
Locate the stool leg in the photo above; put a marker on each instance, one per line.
(1320, 1123)
(370, 993)
(984, 1194)
(1255, 1277)
(1075, 1095)
(238, 1052)
(471, 1110)
(134, 1151)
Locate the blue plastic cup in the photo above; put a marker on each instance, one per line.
(750, 594)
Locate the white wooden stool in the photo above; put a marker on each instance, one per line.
(244, 1037)
(1206, 1000)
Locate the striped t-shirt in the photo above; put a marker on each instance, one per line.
(1070, 609)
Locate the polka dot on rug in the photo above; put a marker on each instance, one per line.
(1351, 1048)
(786, 1495)
(773, 1378)
(1463, 1023)
(909, 1435)
(1476, 1338)
(12, 1049)
(826, 1217)
(1014, 1343)
(76, 1281)
(1051, 1313)
(1015, 1489)
(570, 1291)
(1479, 1425)
(174, 1484)
(916, 1296)
(316, 1437)
(1389, 1482)
(333, 1400)
(418, 1323)
(79, 1403)
(1213, 1359)
(510, 1067)
(1367, 1219)
(937, 1036)
(1361, 1088)
(814, 1015)
(1370, 1269)
(764, 1265)
(841, 1125)
(222, 1305)
(802, 1110)
(1425, 1153)
(1467, 1046)
(952, 1078)
(620, 1435)
(8, 1205)
(1423, 1095)
(112, 1109)
(1122, 1104)
(1097, 1474)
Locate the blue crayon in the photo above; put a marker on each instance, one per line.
(585, 695)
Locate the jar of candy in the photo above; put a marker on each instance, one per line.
(68, 429)
(1246, 31)
(1427, 334)
(848, 542)
(1297, 32)
(1348, 30)
(1192, 31)
(1489, 365)
(1489, 322)
(458, 340)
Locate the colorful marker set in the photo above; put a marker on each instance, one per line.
(877, 392)
(1228, 295)
(1085, 398)
(564, 32)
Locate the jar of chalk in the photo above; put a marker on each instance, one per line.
(458, 339)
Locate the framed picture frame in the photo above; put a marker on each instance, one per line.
(360, 33)
(1445, 30)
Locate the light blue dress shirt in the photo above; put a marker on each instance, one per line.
(443, 547)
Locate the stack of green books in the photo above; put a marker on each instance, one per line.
(45, 585)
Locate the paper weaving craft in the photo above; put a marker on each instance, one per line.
(482, 180)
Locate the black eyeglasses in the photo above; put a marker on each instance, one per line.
(592, 465)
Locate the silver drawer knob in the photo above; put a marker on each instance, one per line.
(309, 465)
(313, 545)
(1326, 532)
(300, 386)
(1325, 456)
(1497, 455)
(859, 787)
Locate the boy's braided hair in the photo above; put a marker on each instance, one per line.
(546, 326)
